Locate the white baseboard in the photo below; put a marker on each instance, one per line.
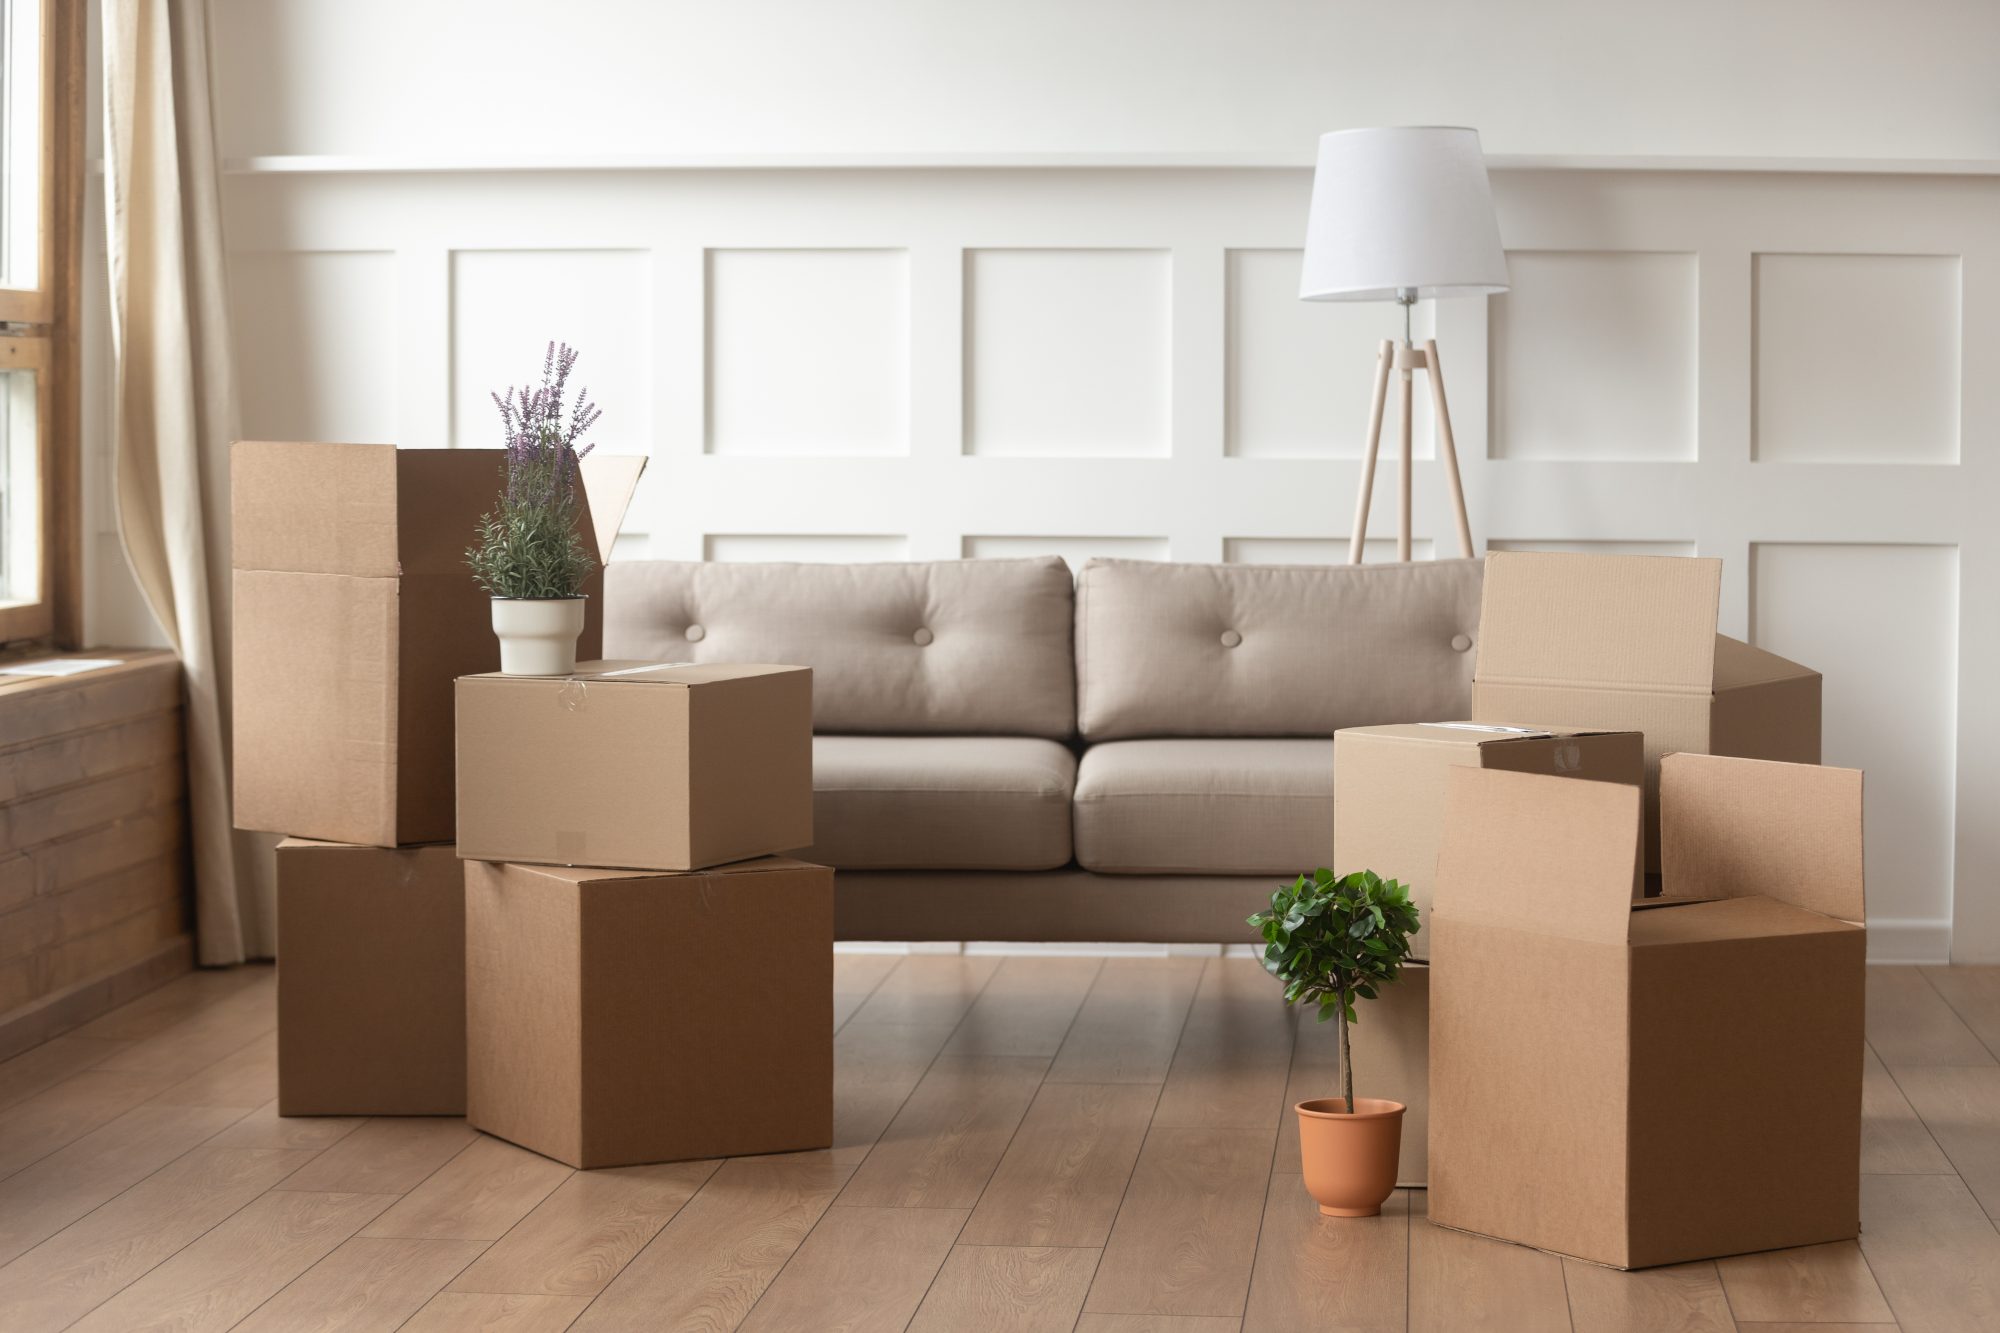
(1909, 941)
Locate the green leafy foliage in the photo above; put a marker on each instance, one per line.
(1334, 940)
(528, 546)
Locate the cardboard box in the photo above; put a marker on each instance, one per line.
(1388, 794)
(371, 980)
(1649, 1083)
(618, 1017)
(354, 611)
(1628, 643)
(641, 766)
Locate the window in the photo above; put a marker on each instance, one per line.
(41, 177)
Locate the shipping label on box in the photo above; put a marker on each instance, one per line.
(371, 992)
(354, 612)
(1389, 783)
(639, 766)
(612, 1018)
(1648, 1083)
(1630, 643)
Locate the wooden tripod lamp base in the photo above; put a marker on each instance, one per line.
(1403, 360)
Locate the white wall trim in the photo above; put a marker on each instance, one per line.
(333, 164)
(1909, 941)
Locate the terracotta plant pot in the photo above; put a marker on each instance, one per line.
(538, 634)
(1350, 1160)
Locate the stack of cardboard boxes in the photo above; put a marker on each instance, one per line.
(1615, 1073)
(677, 1001)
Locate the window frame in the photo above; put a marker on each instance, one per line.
(40, 331)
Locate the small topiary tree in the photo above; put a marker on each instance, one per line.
(1335, 939)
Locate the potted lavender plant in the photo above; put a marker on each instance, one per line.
(529, 557)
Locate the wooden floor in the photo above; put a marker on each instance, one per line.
(1028, 1143)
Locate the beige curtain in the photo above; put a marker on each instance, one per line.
(175, 412)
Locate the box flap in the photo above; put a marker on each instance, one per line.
(441, 496)
(313, 508)
(1532, 852)
(1738, 664)
(595, 875)
(653, 673)
(609, 481)
(1739, 828)
(1633, 622)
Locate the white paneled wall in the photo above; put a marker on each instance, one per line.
(929, 363)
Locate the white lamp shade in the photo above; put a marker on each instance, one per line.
(1397, 209)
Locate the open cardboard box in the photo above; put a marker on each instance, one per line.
(637, 765)
(1388, 795)
(371, 992)
(617, 1017)
(1628, 642)
(354, 613)
(1641, 1083)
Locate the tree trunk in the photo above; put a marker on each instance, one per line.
(1346, 1064)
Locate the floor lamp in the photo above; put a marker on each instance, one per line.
(1400, 215)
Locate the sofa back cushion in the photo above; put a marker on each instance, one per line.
(1271, 650)
(967, 647)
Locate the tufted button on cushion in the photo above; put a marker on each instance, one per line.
(695, 634)
(1461, 643)
(1230, 638)
(921, 638)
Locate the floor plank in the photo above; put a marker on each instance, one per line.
(1974, 995)
(1314, 1272)
(164, 1006)
(1961, 1108)
(265, 1128)
(36, 1126)
(205, 1036)
(477, 1195)
(1816, 1282)
(1007, 1289)
(1810, 1327)
(1894, 1140)
(1909, 1023)
(1235, 1054)
(861, 1269)
(1681, 1298)
(927, 988)
(238, 1266)
(46, 1065)
(41, 1200)
(456, 1312)
(1935, 1253)
(855, 977)
(1129, 1024)
(1064, 1174)
(1186, 1235)
(246, 1078)
(709, 1265)
(1027, 1008)
(1155, 1323)
(365, 1284)
(1468, 1284)
(577, 1239)
(95, 1257)
(391, 1155)
(949, 1136)
(875, 1068)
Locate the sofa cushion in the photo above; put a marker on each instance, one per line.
(1205, 807)
(941, 802)
(1271, 650)
(954, 647)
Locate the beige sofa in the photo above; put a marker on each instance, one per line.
(1004, 753)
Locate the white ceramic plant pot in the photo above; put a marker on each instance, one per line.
(538, 634)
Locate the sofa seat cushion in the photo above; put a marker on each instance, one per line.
(1205, 807)
(941, 802)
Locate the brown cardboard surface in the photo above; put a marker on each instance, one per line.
(1389, 785)
(1629, 642)
(612, 1018)
(1392, 1059)
(635, 765)
(1642, 1084)
(354, 613)
(371, 986)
